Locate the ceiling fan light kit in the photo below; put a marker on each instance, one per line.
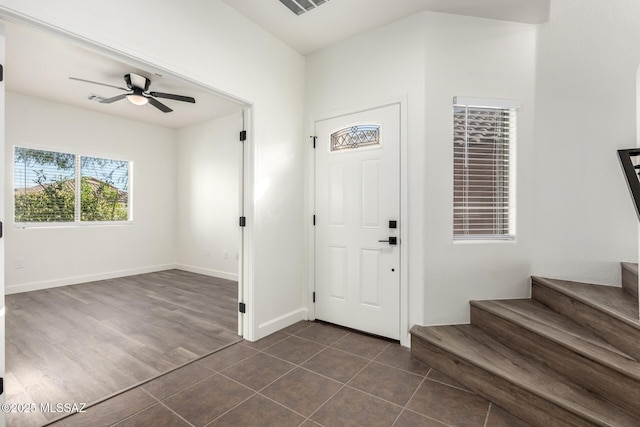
(138, 88)
(137, 97)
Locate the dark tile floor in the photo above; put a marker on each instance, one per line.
(309, 374)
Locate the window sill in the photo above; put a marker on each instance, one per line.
(39, 225)
(484, 241)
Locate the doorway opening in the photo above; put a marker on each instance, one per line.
(187, 192)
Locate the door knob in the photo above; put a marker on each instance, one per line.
(393, 240)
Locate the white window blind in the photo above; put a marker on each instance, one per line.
(44, 183)
(56, 187)
(483, 190)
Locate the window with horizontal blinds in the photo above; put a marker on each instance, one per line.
(57, 187)
(44, 183)
(483, 142)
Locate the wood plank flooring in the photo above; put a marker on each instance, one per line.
(84, 342)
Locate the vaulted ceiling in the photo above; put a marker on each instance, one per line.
(40, 65)
(337, 20)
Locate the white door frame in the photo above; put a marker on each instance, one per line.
(405, 338)
(246, 261)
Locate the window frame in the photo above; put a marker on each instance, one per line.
(77, 222)
(458, 233)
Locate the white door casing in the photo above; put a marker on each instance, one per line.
(2, 218)
(357, 277)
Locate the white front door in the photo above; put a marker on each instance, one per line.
(357, 269)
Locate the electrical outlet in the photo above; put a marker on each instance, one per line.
(237, 256)
(19, 263)
(207, 253)
(225, 254)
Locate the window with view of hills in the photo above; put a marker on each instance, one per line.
(56, 187)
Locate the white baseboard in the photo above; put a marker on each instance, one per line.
(274, 325)
(208, 272)
(47, 284)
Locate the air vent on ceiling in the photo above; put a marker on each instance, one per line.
(301, 6)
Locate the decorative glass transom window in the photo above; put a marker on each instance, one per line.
(355, 137)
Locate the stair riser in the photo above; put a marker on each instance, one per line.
(608, 383)
(630, 279)
(612, 330)
(520, 402)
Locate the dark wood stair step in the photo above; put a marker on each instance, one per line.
(630, 277)
(610, 312)
(524, 387)
(569, 348)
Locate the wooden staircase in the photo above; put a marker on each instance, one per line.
(566, 357)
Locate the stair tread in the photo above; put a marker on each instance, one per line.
(615, 301)
(478, 348)
(540, 319)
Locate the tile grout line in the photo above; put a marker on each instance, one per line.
(186, 388)
(294, 366)
(231, 409)
(452, 386)
(298, 366)
(177, 414)
(336, 349)
(139, 411)
(255, 393)
(486, 420)
(338, 391)
(144, 382)
(405, 407)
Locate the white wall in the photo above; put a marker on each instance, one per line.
(62, 255)
(208, 198)
(207, 41)
(588, 57)
(431, 58)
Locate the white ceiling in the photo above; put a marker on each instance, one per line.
(40, 65)
(338, 20)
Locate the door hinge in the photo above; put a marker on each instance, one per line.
(314, 221)
(1, 232)
(314, 297)
(242, 308)
(243, 136)
(314, 140)
(243, 221)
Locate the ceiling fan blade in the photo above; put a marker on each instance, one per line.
(159, 105)
(174, 97)
(98, 83)
(114, 99)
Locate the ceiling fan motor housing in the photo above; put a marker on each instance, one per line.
(137, 81)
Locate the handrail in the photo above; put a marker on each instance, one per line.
(631, 171)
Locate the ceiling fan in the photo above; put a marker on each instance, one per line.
(138, 92)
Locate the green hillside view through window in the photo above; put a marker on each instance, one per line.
(46, 187)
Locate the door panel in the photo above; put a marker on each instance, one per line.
(370, 209)
(357, 194)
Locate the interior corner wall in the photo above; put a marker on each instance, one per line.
(430, 58)
(214, 45)
(586, 109)
(55, 256)
(208, 197)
